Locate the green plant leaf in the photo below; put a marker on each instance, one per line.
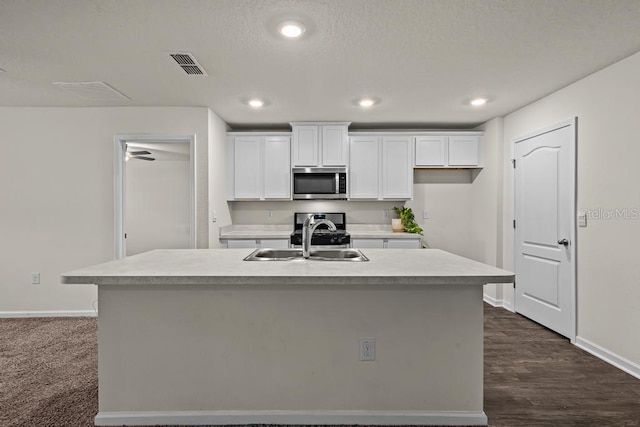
(408, 219)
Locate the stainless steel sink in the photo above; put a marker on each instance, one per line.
(266, 254)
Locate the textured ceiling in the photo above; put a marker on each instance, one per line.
(422, 59)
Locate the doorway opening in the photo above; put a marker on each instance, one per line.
(154, 193)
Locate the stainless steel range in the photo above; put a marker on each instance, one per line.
(322, 236)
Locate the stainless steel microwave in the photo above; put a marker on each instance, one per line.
(319, 183)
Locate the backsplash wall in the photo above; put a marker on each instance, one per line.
(282, 212)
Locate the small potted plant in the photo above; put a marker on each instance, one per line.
(405, 222)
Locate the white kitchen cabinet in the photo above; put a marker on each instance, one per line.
(247, 168)
(277, 168)
(404, 243)
(260, 167)
(240, 244)
(319, 144)
(464, 151)
(335, 145)
(306, 142)
(397, 173)
(367, 243)
(380, 168)
(364, 168)
(257, 243)
(431, 150)
(387, 243)
(441, 151)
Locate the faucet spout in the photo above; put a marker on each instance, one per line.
(308, 226)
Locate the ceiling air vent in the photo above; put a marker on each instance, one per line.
(95, 91)
(188, 63)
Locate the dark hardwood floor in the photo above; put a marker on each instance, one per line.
(535, 377)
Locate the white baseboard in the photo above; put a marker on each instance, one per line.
(491, 301)
(498, 303)
(508, 306)
(79, 313)
(619, 362)
(291, 417)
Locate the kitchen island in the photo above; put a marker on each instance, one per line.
(203, 337)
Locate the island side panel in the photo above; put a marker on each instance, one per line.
(293, 347)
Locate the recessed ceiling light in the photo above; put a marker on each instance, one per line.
(255, 103)
(476, 102)
(366, 102)
(291, 29)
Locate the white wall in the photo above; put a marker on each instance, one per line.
(217, 170)
(606, 104)
(158, 203)
(446, 195)
(486, 212)
(56, 192)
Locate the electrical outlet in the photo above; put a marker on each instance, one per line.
(367, 349)
(35, 278)
(385, 214)
(269, 214)
(425, 214)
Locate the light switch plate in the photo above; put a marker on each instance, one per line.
(425, 214)
(582, 219)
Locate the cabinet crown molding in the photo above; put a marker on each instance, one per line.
(319, 123)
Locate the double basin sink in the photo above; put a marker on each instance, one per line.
(265, 254)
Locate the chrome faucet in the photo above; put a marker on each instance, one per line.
(309, 225)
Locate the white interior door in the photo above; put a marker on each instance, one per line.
(545, 227)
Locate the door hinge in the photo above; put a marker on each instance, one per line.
(513, 162)
(514, 284)
(125, 235)
(514, 223)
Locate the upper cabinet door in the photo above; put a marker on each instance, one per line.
(335, 145)
(306, 141)
(464, 151)
(247, 167)
(364, 168)
(277, 168)
(431, 151)
(397, 167)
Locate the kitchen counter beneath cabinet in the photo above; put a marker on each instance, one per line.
(267, 234)
(255, 236)
(378, 231)
(203, 337)
(381, 236)
(277, 231)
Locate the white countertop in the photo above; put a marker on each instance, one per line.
(377, 231)
(279, 231)
(249, 232)
(226, 267)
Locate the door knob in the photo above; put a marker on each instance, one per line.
(564, 242)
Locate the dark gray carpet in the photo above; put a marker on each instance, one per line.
(48, 372)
